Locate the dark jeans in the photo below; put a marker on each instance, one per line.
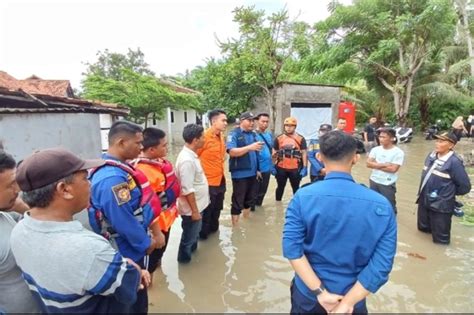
(300, 304)
(243, 194)
(388, 191)
(141, 304)
(436, 223)
(189, 238)
(157, 254)
(282, 176)
(210, 215)
(262, 187)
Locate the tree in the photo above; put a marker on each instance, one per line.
(222, 86)
(389, 40)
(127, 80)
(258, 56)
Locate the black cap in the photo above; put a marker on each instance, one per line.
(325, 127)
(447, 136)
(47, 166)
(246, 115)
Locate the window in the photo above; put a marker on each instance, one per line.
(185, 117)
(172, 117)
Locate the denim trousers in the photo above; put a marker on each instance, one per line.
(189, 238)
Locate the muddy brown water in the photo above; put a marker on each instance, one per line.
(243, 270)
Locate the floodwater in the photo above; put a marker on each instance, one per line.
(243, 270)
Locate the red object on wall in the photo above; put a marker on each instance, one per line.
(347, 110)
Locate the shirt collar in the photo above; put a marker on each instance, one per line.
(339, 175)
(51, 226)
(189, 151)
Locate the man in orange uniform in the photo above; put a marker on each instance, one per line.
(292, 159)
(163, 181)
(212, 156)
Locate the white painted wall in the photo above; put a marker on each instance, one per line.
(174, 122)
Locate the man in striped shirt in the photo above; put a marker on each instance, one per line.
(68, 268)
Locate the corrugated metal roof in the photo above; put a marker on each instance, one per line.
(19, 101)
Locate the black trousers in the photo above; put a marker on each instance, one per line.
(141, 304)
(282, 176)
(157, 254)
(436, 223)
(262, 187)
(300, 304)
(210, 215)
(315, 178)
(244, 191)
(388, 191)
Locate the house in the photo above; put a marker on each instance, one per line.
(311, 104)
(175, 119)
(36, 114)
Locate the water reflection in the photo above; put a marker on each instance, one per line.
(242, 270)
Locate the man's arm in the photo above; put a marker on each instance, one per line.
(118, 211)
(187, 173)
(236, 152)
(294, 233)
(386, 167)
(376, 273)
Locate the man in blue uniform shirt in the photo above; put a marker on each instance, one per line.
(340, 237)
(243, 147)
(116, 198)
(264, 157)
(317, 167)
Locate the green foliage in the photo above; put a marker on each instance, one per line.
(127, 80)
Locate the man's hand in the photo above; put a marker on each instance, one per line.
(195, 216)
(322, 171)
(329, 300)
(304, 172)
(256, 146)
(145, 279)
(343, 308)
(160, 239)
(259, 176)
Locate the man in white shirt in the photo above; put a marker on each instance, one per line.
(194, 196)
(385, 161)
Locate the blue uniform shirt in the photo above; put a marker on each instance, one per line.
(347, 232)
(316, 165)
(250, 138)
(118, 207)
(265, 155)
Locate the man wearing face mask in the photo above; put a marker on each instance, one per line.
(443, 177)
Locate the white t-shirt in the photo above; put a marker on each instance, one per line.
(394, 155)
(193, 180)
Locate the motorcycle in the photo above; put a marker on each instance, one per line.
(403, 134)
(360, 141)
(433, 130)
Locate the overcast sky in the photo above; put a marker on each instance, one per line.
(52, 39)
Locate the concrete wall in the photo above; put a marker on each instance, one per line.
(294, 93)
(23, 133)
(174, 123)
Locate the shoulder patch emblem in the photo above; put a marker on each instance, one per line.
(121, 193)
(131, 182)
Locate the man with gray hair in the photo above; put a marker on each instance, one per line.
(68, 268)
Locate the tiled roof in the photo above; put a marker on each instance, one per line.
(36, 85)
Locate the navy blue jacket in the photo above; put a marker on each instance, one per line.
(448, 179)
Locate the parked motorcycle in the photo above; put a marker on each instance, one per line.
(403, 134)
(433, 130)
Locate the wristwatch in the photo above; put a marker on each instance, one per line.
(318, 291)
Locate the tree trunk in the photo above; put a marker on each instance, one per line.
(467, 33)
(423, 108)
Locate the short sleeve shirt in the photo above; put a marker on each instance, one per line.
(394, 155)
